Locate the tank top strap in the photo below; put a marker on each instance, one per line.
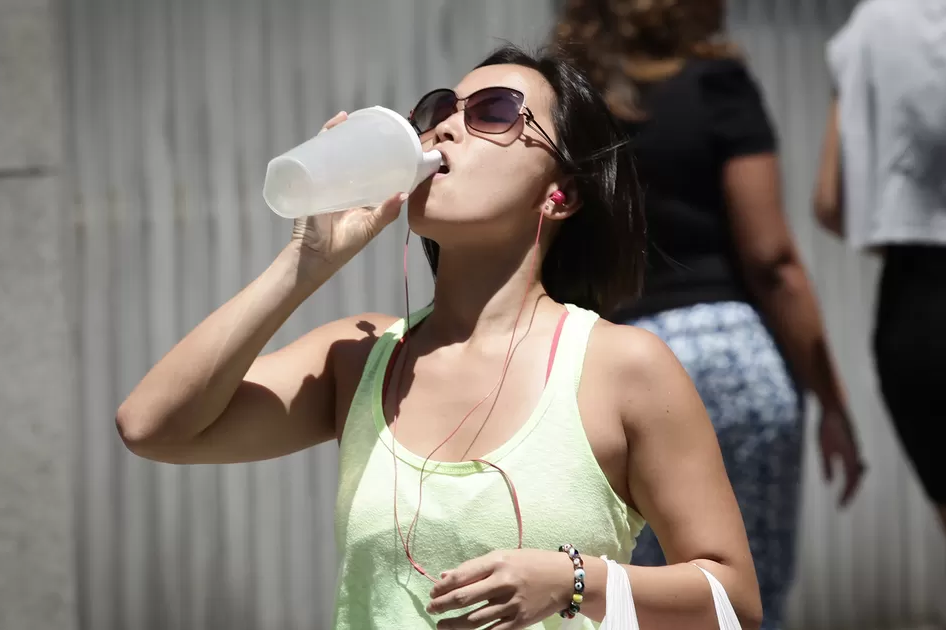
(376, 366)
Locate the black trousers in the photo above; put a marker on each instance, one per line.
(910, 351)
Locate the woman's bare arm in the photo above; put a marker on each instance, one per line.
(678, 482)
(211, 399)
(775, 274)
(779, 282)
(828, 199)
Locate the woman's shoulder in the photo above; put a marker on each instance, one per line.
(632, 356)
(353, 338)
(362, 324)
(736, 109)
(638, 371)
(724, 75)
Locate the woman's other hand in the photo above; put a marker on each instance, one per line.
(838, 441)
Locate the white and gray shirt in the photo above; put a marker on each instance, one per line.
(889, 68)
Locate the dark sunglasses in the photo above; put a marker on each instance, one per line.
(492, 110)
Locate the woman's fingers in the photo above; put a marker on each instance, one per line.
(390, 210)
(470, 594)
(477, 618)
(340, 117)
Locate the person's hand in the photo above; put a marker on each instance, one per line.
(507, 589)
(334, 238)
(839, 442)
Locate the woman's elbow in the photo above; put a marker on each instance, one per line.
(129, 425)
(137, 432)
(132, 429)
(747, 602)
(750, 617)
(772, 272)
(750, 611)
(829, 216)
(742, 587)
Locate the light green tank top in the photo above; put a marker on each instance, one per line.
(467, 509)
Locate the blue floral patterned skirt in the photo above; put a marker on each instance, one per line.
(756, 410)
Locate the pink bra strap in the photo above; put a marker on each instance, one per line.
(555, 340)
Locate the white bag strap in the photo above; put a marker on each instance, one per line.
(725, 613)
(622, 615)
(620, 611)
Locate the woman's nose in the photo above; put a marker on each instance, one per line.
(448, 129)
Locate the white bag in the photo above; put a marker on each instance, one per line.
(622, 615)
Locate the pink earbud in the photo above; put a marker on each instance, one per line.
(558, 197)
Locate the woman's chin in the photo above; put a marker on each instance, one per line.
(422, 224)
(425, 212)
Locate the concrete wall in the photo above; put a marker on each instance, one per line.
(109, 255)
(37, 575)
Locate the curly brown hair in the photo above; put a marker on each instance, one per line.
(622, 43)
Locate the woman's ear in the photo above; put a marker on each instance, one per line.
(563, 200)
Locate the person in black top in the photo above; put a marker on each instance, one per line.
(724, 284)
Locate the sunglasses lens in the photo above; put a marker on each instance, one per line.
(494, 110)
(433, 109)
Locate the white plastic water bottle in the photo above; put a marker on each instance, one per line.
(363, 161)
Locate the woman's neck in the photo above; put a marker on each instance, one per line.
(647, 69)
(480, 294)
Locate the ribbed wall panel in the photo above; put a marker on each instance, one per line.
(175, 106)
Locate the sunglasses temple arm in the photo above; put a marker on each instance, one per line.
(532, 121)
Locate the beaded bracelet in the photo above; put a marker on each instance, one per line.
(574, 607)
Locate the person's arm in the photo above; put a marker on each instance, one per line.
(775, 274)
(211, 399)
(828, 199)
(677, 481)
(745, 144)
(679, 484)
(778, 280)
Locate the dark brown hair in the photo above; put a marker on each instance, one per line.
(622, 43)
